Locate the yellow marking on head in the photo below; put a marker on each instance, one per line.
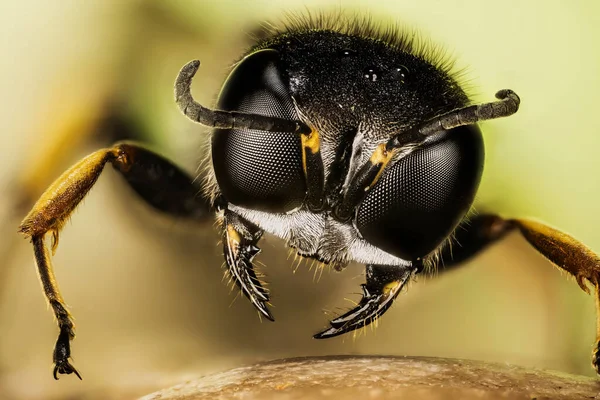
(311, 141)
(382, 157)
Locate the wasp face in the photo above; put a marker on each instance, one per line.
(355, 93)
(348, 144)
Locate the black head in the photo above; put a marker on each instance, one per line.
(389, 126)
(348, 74)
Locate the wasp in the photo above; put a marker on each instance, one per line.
(349, 143)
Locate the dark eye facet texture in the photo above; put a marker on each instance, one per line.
(422, 197)
(257, 169)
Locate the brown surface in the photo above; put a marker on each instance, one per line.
(383, 378)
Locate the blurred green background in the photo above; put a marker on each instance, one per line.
(147, 293)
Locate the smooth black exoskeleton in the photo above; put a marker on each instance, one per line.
(349, 144)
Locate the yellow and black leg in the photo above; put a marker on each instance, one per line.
(384, 283)
(560, 249)
(240, 239)
(570, 255)
(160, 183)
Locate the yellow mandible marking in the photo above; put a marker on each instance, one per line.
(233, 236)
(383, 157)
(391, 287)
(311, 142)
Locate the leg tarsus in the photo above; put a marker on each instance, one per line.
(384, 283)
(62, 349)
(62, 353)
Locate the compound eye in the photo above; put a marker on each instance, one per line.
(422, 197)
(258, 169)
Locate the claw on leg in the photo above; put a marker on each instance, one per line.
(384, 283)
(62, 353)
(240, 248)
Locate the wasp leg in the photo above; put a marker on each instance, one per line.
(155, 179)
(473, 236)
(570, 255)
(240, 239)
(62, 349)
(560, 249)
(162, 184)
(384, 283)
